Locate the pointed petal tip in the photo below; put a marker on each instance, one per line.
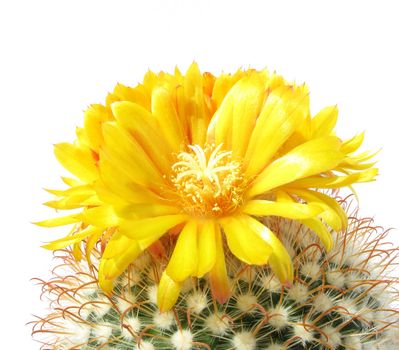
(221, 295)
(168, 292)
(106, 285)
(47, 246)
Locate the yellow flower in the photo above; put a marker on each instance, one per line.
(193, 161)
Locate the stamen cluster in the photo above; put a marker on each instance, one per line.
(208, 181)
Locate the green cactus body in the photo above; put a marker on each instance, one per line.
(339, 300)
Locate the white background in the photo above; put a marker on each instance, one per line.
(57, 57)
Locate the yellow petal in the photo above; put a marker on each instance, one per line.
(219, 128)
(324, 122)
(102, 216)
(149, 227)
(61, 221)
(77, 160)
(223, 84)
(235, 119)
(69, 240)
(206, 248)
(145, 210)
(168, 292)
(260, 207)
(77, 251)
(333, 213)
(145, 128)
(181, 107)
(116, 266)
(94, 116)
(117, 186)
(246, 108)
(195, 109)
(75, 190)
(126, 155)
(283, 197)
(328, 212)
(184, 260)
(218, 279)
(75, 201)
(117, 244)
(335, 181)
(244, 243)
(165, 112)
(106, 285)
(354, 164)
(357, 161)
(72, 182)
(310, 158)
(137, 95)
(351, 145)
(283, 111)
(280, 260)
(320, 229)
(119, 253)
(90, 244)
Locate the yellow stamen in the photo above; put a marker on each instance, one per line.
(208, 181)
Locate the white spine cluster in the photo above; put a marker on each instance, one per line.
(339, 300)
(244, 341)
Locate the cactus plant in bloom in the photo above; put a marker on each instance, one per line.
(343, 299)
(181, 190)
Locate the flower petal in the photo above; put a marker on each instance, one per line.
(149, 227)
(223, 84)
(197, 116)
(90, 244)
(184, 260)
(320, 229)
(168, 292)
(74, 202)
(126, 154)
(310, 158)
(280, 260)
(74, 190)
(78, 160)
(292, 210)
(145, 128)
(324, 122)
(165, 112)
(218, 279)
(101, 216)
(94, 116)
(117, 186)
(138, 94)
(145, 210)
(333, 213)
(61, 221)
(72, 239)
(119, 253)
(244, 243)
(351, 145)
(283, 111)
(106, 285)
(246, 109)
(235, 119)
(206, 248)
(335, 181)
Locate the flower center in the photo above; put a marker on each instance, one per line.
(208, 181)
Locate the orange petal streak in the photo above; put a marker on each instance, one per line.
(219, 281)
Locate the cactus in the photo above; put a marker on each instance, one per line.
(343, 299)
